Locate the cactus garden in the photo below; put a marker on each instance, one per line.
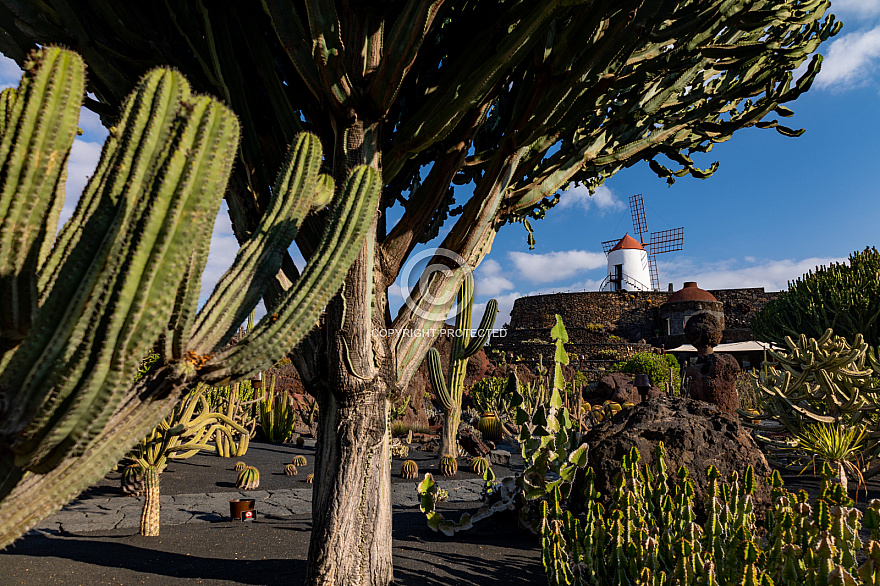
(368, 156)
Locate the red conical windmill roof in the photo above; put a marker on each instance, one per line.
(627, 242)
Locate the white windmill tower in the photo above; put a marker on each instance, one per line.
(631, 262)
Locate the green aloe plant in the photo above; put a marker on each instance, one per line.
(79, 310)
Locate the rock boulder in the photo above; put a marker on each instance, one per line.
(695, 434)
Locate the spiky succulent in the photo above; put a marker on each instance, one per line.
(479, 465)
(300, 441)
(448, 465)
(239, 466)
(132, 482)
(409, 470)
(290, 470)
(299, 460)
(490, 427)
(248, 479)
(310, 478)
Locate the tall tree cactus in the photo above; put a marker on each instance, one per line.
(463, 347)
(79, 311)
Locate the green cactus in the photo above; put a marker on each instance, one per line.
(479, 465)
(448, 465)
(310, 478)
(819, 385)
(181, 435)
(290, 470)
(300, 441)
(132, 482)
(248, 479)
(299, 460)
(449, 389)
(409, 470)
(489, 427)
(79, 311)
(231, 443)
(239, 466)
(277, 415)
(647, 534)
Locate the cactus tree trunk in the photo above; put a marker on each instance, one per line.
(150, 514)
(351, 500)
(449, 433)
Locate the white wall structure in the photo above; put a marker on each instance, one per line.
(627, 267)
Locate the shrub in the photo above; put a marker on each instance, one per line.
(654, 365)
(841, 296)
(489, 396)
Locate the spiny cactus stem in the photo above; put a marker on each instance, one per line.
(150, 514)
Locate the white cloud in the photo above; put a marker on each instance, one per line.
(91, 125)
(850, 61)
(505, 306)
(855, 8)
(489, 281)
(773, 275)
(553, 266)
(603, 199)
(10, 73)
(224, 247)
(83, 160)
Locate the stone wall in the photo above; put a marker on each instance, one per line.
(598, 322)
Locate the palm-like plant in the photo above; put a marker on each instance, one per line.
(838, 445)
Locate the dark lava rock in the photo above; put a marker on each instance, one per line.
(618, 387)
(694, 434)
(713, 379)
(472, 444)
(703, 330)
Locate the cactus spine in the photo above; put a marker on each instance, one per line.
(299, 461)
(409, 470)
(449, 389)
(290, 470)
(248, 479)
(122, 276)
(448, 465)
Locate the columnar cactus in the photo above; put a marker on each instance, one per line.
(479, 465)
(448, 465)
(290, 470)
(277, 415)
(449, 389)
(248, 479)
(78, 312)
(150, 512)
(409, 470)
(299, 460)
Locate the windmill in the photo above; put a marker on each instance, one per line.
(660, 242)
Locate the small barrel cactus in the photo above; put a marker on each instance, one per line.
(310, 478)
(299, 461)
(490, 427)
(409, 470)
(448, 465)
(239, 466)
(479, 465)
(290, 470)
(248, 479)
(300, 441)
(132, 482)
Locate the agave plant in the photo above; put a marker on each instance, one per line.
(837, 445)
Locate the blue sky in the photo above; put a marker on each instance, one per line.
(775, 208)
